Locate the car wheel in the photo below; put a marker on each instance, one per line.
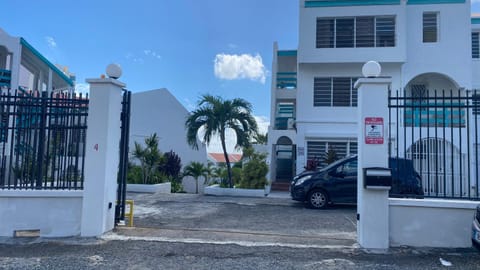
(317, 199)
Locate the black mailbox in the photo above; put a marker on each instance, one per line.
(377, 178)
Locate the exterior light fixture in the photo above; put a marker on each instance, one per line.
(114, 71)
(371, 69)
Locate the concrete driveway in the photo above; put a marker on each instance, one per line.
(268, 221)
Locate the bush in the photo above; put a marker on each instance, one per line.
(254, 172)
(134, 174)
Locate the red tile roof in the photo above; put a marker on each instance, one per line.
(220, 158)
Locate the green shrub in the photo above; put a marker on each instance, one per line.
(254, 171)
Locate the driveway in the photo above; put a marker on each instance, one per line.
(248, 221)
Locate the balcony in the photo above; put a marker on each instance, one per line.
(286, 80)
(5, 78)
(285, 117)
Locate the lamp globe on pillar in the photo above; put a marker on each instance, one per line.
(114, 71)
(371, 69)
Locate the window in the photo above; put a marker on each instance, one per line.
(475, 49)
(365, 32)
(476, 104)
(356, 32)
(317, 149)
(430, 27)
(385, 29)
(334, 92)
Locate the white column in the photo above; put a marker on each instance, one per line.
(102, 156)
(372, 225)
(15, 66)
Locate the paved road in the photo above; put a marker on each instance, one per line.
(201, 232)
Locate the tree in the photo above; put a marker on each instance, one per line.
(215, 115)
(330, 156)
(260, 138)
(149, 158)
(195, 170)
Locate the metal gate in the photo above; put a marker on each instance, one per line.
(438, 131)
(123, 163)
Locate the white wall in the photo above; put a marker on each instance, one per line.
(451, 55)
(54, 213)
(431, 222)
(158, 111)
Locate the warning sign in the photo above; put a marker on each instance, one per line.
(374, 130)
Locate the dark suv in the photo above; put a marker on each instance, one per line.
(337, 182)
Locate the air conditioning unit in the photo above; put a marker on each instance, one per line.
(291, 123)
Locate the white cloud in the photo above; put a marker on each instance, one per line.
(152, 53)
(244, 66)
(263, 123)
(82, 88)
(215, 145)
(51, 42)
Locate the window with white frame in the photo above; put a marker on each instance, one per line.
(430, 27)
(316, 150)
(334, 92)
(475, 48)
(356, 32)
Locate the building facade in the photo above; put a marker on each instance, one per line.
(427, 47)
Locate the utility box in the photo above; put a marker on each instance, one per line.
(377, 178)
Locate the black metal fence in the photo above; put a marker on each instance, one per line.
(438, 131)
(42, 140)
(123, 162)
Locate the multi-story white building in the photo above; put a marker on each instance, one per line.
(23, 67)
(425, 46)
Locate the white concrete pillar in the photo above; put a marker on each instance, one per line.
(372, 208)
(15, 67)
(102, 156)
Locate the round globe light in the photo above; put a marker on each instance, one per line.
(371, 69)
(114, 71)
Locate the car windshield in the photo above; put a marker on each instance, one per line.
(331, 165)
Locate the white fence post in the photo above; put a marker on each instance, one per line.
(373, 208)
(102, 156)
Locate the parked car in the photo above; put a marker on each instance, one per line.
(476, 228)
(337, 182)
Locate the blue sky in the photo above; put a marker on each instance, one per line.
(165, 43)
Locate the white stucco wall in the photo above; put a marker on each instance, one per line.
(158, 111)
(54, 213)
(431, 222)
(451, 55)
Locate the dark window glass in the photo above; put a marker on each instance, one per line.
(430, 27)
(475, 48)
(385, 31)
(325, 33)
(341, 92)
(365, 32)
(345, 32)
(322, 92)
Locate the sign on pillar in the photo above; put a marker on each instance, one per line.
(373, 172)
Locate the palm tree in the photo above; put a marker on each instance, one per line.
(149, 157)
(215, 115)
(195, 170)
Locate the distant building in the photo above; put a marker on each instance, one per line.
(158, 111)
(23, 67)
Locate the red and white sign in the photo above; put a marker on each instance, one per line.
(374, 130)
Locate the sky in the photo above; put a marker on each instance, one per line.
(191, 47)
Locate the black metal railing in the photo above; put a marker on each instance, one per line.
(438, 132)
(123, 162)
(42, 140)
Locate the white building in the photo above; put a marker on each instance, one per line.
(423, 45)
(158, 111)
(23, 67)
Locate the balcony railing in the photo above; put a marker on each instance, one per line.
(5, 77)
(286, 80)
